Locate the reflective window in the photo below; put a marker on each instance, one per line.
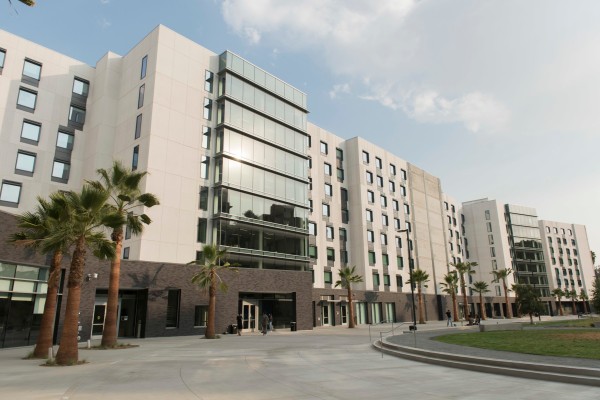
(206, 137)
(372, 258)
(81, 87)
(369, 215)
(369, 177)
(365, 157)
(312, 228)
(65, 140)
(10, 192)
(60, 170)
(384, 220)
(138, 127)
(324, 148)
(329, 232)
(328, 190)
(31, 131)
(144, 67)
(339, 154)
(2, 57)
(173, 299)
(208, 81)
(330, 257)
(32, 69)
(370, 196)
(403, 173)
(135, 158)
(396, 205)
(340, 174)
(203, 202)
(383, 201)
(326, 210)
(378, 163)
(379, 181)
(207, 109)
(204, 167)
(392, 169)
(141, 95)
(370, 236)
(25, 161)
(327, 169)
(392, 186)
(77, 115)
(27, 98)
(383, 238)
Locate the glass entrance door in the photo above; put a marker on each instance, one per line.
(100, 316)
(249, 315)
(344, 314)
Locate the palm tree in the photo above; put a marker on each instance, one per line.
(211, 262)
(464, 268)
(347, 278)
(418, 278)
(502, 274)
(126, 197)
(36, 227)
(572, 294)
(528, 300)
(558, 293)
(29, 3)
(584, 298)
(481, 287)
(450, 286)
(88, 214)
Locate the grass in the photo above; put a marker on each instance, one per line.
(578, 343)
(571, 323)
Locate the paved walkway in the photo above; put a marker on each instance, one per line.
(326, 363)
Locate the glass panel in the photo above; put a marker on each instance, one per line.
(22, 286)
(25, 162)
(32, 70)
(30, 131)
(26, 98)
(80, 87)
(26, 272)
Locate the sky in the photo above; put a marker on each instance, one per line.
(499, 99)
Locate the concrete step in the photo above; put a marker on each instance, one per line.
(565, 374)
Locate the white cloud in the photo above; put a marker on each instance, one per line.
(342, 88)
(104, 1)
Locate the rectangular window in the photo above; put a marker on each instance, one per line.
(329, 232)
(403, 174)
(403, 190)
(340, 174)
(126, 253)
(379, 181)
(208, 81)
(204, 167)
(398, 242)
(330, 254)
(206, 137)
(144, 67)
(384, 220)
(201, 316)
(339, 154)
(312, 228)
(383, 238)
(32, 70)
(325, 209)
(312, 251)
(173, 298)
(369, 216)
(138, 127)
(345, 216)
(77, 115)
(399, 282)
(406, 209)
(128, 228)
(370, 236)
(141, 94)
(30, 132)
(10, 192)
(375, 279)
(25, 162)
(203, 203)
(2, 58)
(81, 87)
(369, 177)
(383, 201)
(328, 190)
(372, 257)
(407, 225)
(365, 157)
(396, 205)
(491, 239)
(344, 256)
(60, 170)
(202, 227)
(392, 169)
(396, 223)
(343, 235)
(324, 148)
(135, 158)
(400, 262)
(27, 99)
(327, 277)
(64, 140)
(392, 186)
(489, 226)
(207, 109)
(492, 251)
(327, 169)
(370, 196)
(378, 163)
(386, 280)
(487, 215)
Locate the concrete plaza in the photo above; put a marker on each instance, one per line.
(326, 363)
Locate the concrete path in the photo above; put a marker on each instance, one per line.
(326, 363)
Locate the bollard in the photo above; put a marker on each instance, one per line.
(50, 354)
(89, 344)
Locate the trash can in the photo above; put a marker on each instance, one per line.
(293, 326)
(230, 329)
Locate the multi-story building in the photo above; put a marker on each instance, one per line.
(231, 156)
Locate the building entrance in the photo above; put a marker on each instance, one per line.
(131, 313)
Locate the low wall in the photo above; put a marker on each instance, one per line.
(501, 327)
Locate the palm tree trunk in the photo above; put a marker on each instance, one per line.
(44, 340)
(508, 306)
(455, 307)
(574, 306)
(481, 310)
(109, 334)
(68, 352)
(584, 306)
(560, 308)
(212, 300)
(351, 310)
(465, 305)
(421, 310)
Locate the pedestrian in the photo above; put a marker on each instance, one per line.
(449, 318)
(271, 322)
(265, 323)
(239, 323)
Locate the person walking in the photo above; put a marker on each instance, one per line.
(239, 323)
(449, 318)
(265, 323)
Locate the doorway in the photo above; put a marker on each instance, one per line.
(344, 314)
(250, 313)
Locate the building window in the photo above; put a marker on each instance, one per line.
(492, 251)
(32, 70)
(206, 137)
(345, 216)
(144, 67)
(60, 170)
(327, 277)
(312, 251)
(10, 193)
(328, 190)
(135, 158)
(203, 203)
(378, 163)
(403, 174)
(386, 280)
(30, 132)
(340, 174)
(344, 256)
(396, 223)
(202, 227)
(126, 253)
(27, 99)
(489, 226)
(201, 316)
(173, 298)
(384, 220)
(370, 236)
(406, 209)
(369, 177)
(369, 215)
(408, 227)
(207, 109)
(487, 215)
(138, 127)
(392, 186)
(141, 94)
(25, 163)
(384, 241)
(77, 115)
(327, 169)
(2, 58)
(403, 191)
(204, 167)
(370, 196)
(330, 254)
(208, 81)
(372, 258)
(326, 210)
(396, 205)
(400, 262)
(81, 87)
(379, 181)
(324, 148)
(339, 154)
(365, 157)
(399, 282)
(398, 242)
(392, 169)
(375, 279)
(383, 201)
(64, 140)
(312, 228)
(329, 232)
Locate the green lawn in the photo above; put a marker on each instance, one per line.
(580, 343)
(571, 323)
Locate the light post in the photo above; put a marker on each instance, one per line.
(412, 284)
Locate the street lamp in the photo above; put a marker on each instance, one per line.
(412, 284)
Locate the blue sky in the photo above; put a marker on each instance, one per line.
(499, 99)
